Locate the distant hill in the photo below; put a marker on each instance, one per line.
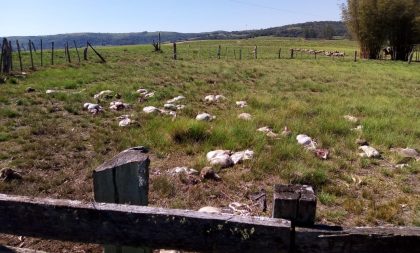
(324, 29)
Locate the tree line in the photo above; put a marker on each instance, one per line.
(384, 23)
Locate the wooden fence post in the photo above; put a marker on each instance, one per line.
(355, 56)
(292, 53)
(85, 53)
(296, 203)
(11, 55)
(240, 54)
(256, 52)
(96, 52)
(30, 51)
(1, 56)
(20, 56)
(52, 53)
(175, 53)
(42, 61)
(68, 52)
(77, 50)
(33, 46)
(280, 53)
(123, 180)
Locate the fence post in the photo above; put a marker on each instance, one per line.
(68, 52)
(291, 53)
(175, 53)
(256, 52)
(42, 61)
(219, 51)
(123, 180)
(1, 56)
(296, 203)
(97, 53)
(280, 53)
(355, 56)
(20, 56)
(11, 55)
(30, 51)
(52, 53)
(240, 54)
(77, 50)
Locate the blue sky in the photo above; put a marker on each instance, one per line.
(43, 17)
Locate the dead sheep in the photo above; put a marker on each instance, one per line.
(93, 108)
(118, 106)
(125, 121)
(268, 132)
(205, 117)
(106, 94)
(245, 116)
(241, 104)
(175, 100)
(214, 98)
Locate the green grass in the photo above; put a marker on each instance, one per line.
(51, 136)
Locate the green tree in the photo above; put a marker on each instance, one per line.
(329, 32)
(377, 22)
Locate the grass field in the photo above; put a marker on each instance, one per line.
(56, 145)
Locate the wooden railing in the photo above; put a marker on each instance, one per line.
(149, 227)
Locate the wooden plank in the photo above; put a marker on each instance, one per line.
(139, 226)
(358, 240)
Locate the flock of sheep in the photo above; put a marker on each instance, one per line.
(320, 52)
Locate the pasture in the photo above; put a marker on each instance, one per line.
(55, 144)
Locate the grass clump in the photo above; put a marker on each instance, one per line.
(183, 132)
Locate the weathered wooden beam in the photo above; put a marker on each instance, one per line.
(358, 240)
(8, 249)
(139, 226)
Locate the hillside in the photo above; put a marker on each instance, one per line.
(325, 29)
